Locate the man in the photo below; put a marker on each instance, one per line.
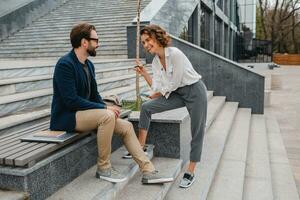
(78, 107)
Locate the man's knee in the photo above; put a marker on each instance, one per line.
(128, 127)
(105, 116)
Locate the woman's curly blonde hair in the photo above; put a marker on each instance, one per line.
(157, 33)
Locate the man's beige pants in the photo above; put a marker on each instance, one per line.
(106, 124)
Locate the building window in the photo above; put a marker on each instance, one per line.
(218, 34)
(226, 42)
(220, 4)
(226, 7)
(230, 44)
(184, 33)
(205, 27)
(188, 32)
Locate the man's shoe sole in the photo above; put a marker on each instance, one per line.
(127, 157)
(157, 181)
(130, 157)
(112, 180)
(186, 186)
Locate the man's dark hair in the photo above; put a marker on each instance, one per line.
(80, 31)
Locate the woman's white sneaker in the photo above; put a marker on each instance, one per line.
(187, 180)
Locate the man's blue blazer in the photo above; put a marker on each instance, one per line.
(70, 88)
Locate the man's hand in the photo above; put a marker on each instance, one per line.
(115, 109)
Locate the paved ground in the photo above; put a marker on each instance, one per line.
(285, 104)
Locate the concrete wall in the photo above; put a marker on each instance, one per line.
(7, 6)
(25, 14)
(225, 77)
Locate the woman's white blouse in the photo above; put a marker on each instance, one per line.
(179, 72)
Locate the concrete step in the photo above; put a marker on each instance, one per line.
(135, 190)
(97, 18)
(104, 43)
(116, 82)
(258, 181)
(66, 45)
(66, 27)
(25, 101)
(26, 84)
(98, 25)
(126, 92)
(12, 195)
(267, 98)
(8, 123)
(283, 181)
(109, 78)
(86, 186)
(109, 54)
(114, 71)
(105, 5)
(118, 17)
(65, 39)
(210, 94)
(66, 31)
(94, 9)
(119, 12)
(107, 49)
(213, 147)
(112, 19)
(62, 48)
(228, 183)
(214, 106)
(64, 36)
(11, 69)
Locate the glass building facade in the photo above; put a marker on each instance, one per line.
(219, 27)
(247, 13)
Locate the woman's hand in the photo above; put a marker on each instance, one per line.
(155, 95)
(142, 70)
(139, 68)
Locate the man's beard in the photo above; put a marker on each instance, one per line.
(92, 51)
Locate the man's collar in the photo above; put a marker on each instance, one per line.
(76, 58)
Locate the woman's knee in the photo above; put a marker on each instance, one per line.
(146, 107)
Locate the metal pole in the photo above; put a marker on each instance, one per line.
(137, 79)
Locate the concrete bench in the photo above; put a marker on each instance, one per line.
(169, 131)
(40, 168)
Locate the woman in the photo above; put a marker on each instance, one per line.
(175, 84)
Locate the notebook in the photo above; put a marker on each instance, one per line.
(49, 136)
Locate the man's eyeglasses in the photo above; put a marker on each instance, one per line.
(95, 39)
